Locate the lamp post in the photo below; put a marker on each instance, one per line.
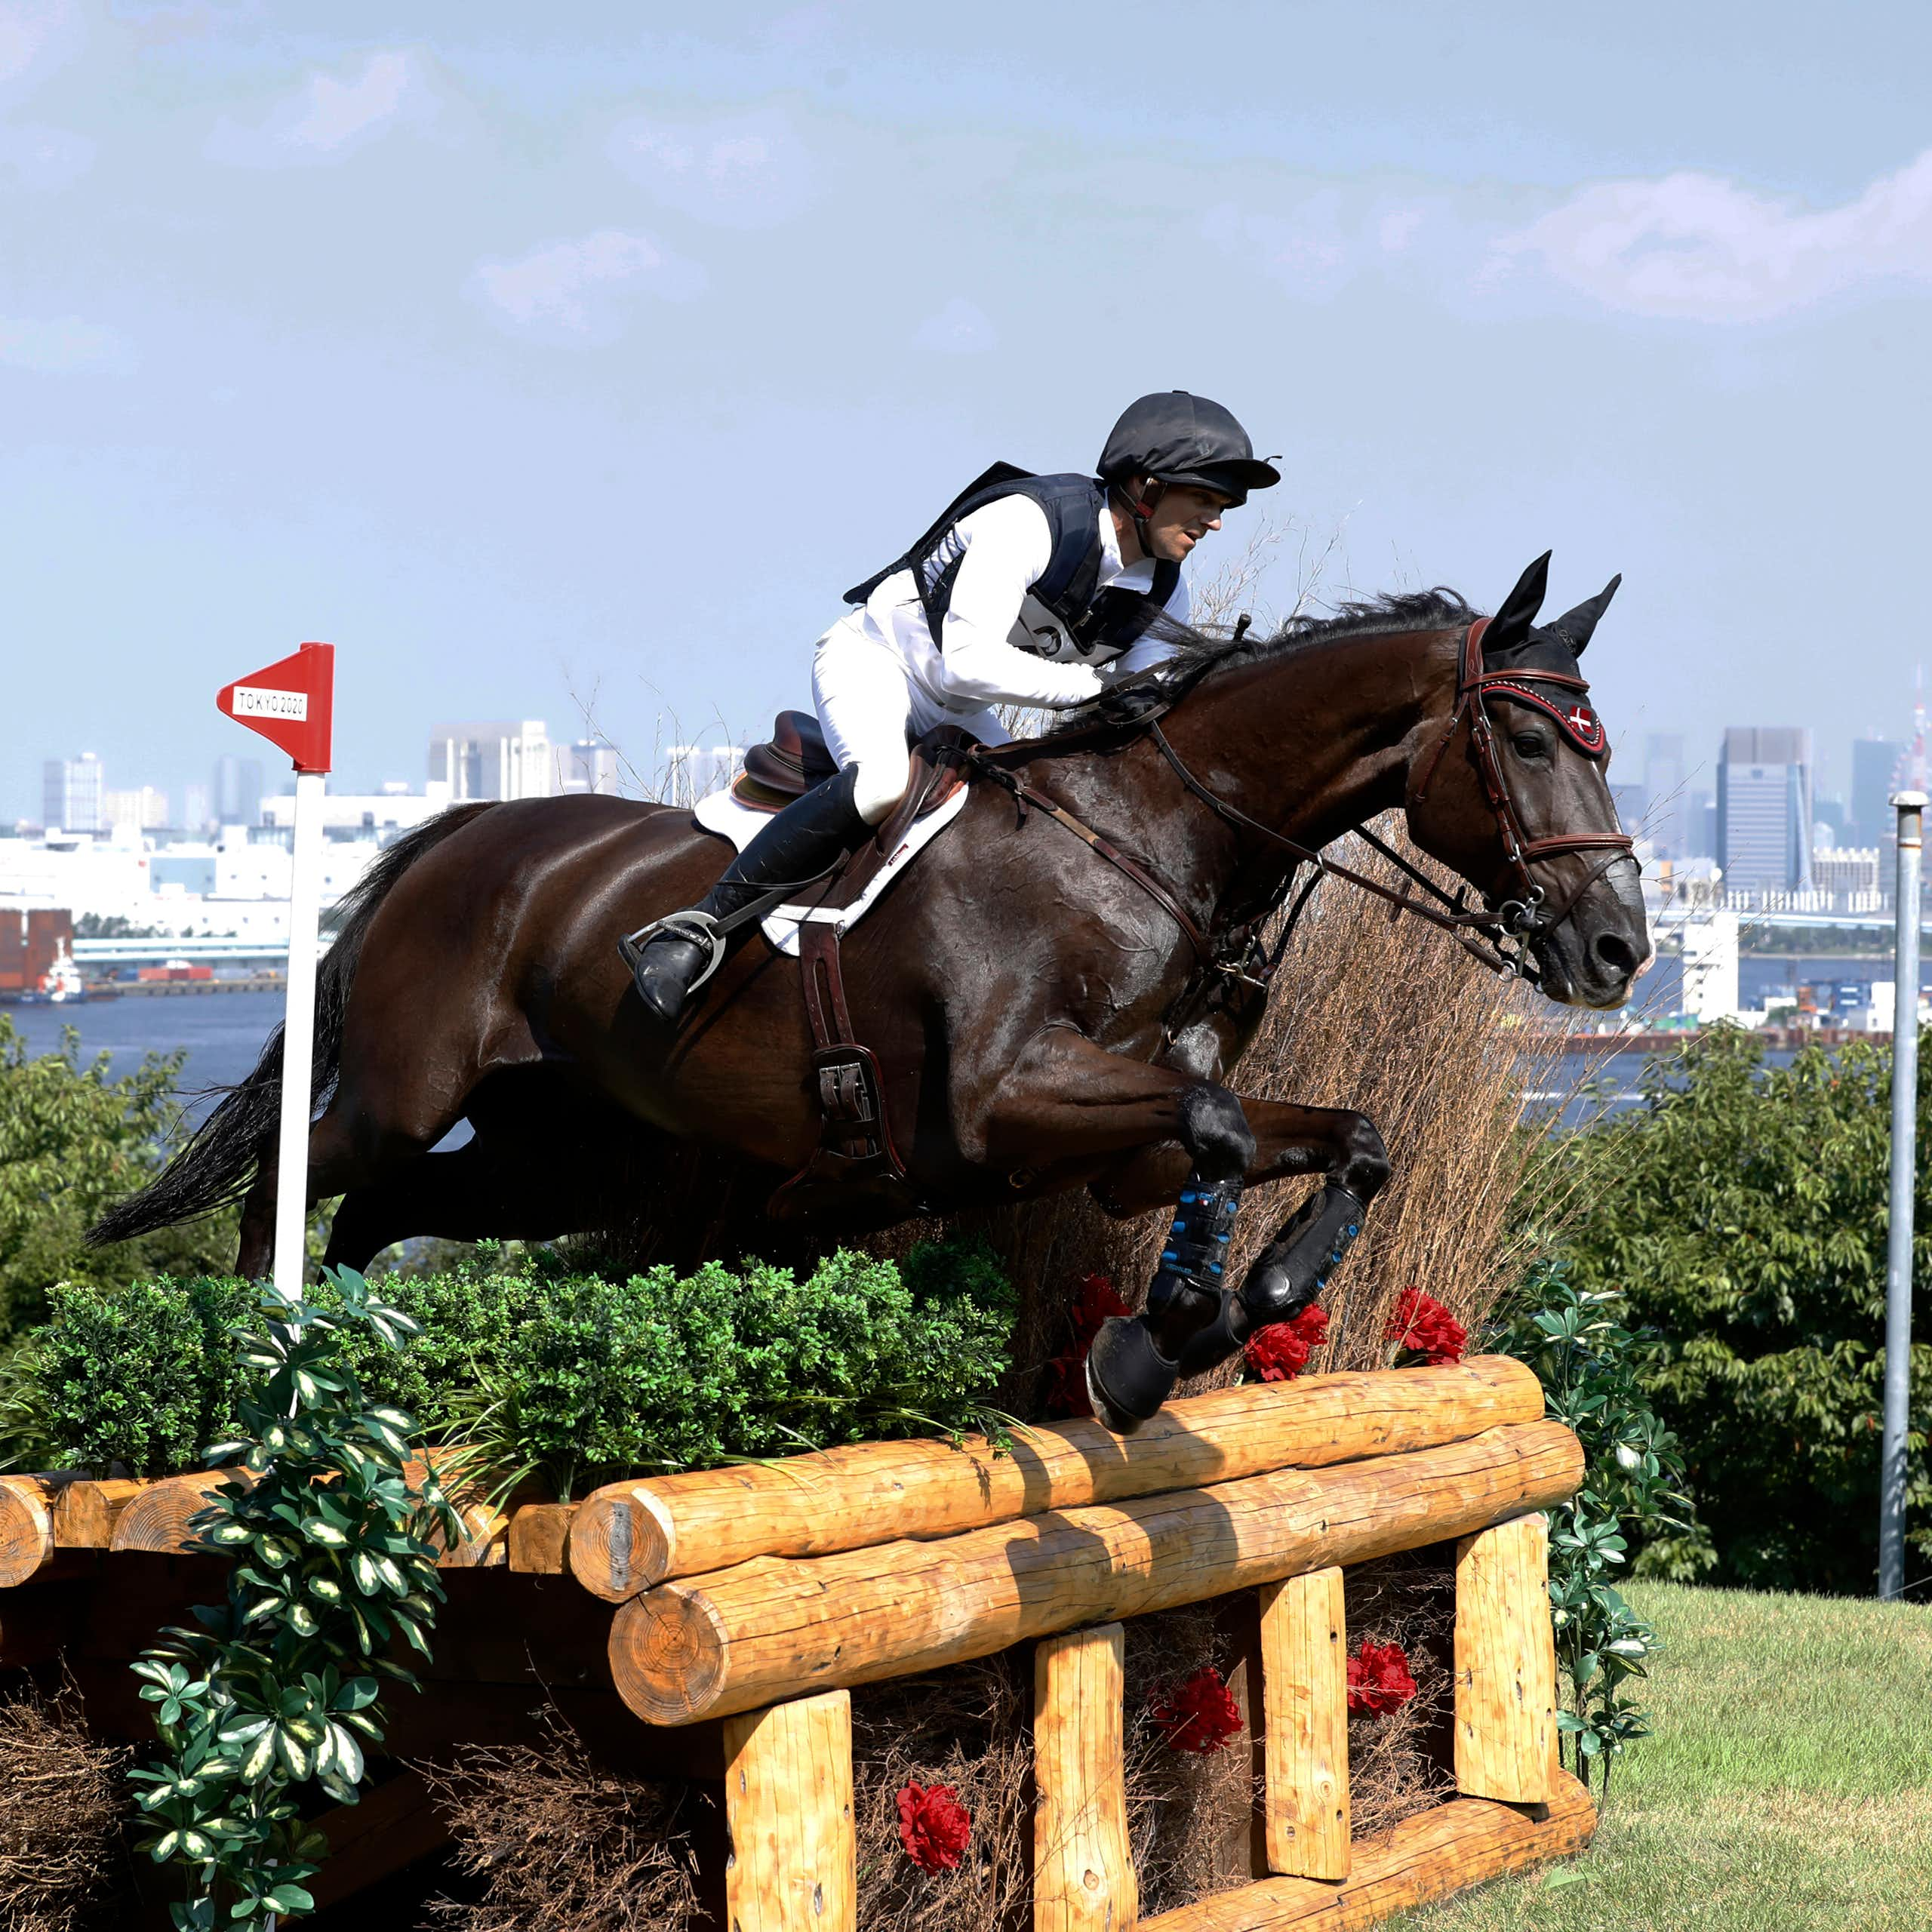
(1911, 808)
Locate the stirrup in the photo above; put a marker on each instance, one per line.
(694, 926)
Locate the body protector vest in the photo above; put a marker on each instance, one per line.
(1100, 625)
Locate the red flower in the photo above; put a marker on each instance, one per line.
(1379, 1679)
(1421, 1325)
(1280, 1351)
(1200, 1716)
(1066, 1386)
(934, 1826)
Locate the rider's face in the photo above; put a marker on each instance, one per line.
(1185, 514)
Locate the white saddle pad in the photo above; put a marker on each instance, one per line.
(722, 814)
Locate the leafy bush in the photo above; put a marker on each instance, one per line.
(143, 1376)
(1591, 1365)
(574, 1377)
(273, 1701)
(72, 1141)
(1742, 1213)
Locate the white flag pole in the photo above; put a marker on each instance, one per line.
(298, 1038)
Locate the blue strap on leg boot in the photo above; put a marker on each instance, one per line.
(1133, 1364)
(1292, 1272)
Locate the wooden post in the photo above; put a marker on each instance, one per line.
(794, 1861)
(1305, 1685)
(1083, 1872)
(1506, 1663)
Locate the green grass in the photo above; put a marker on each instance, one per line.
(1789, 1786)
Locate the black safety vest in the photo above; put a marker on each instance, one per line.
(1109, 622)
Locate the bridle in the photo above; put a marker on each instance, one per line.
(1485, 932)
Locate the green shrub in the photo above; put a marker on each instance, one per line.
(142, 1376)
(578, 1379)
(73, 1142)
(1741, 1212)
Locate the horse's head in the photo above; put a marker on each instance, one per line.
(1507, 786)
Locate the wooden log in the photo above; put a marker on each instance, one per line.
(1083, 1870)
(86, 1512)
(794, 1862)
(634, 1535)
(711, 1645)
(539, 1532)
(1506, 1663)
(157, 1519)
(26, 1527)
(1305, 1682)
(1428, 1856)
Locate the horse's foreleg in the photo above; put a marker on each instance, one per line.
(1066, 1097)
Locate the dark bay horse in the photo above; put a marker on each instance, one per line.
(1042, 1022)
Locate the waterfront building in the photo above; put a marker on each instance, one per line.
(589, 765)
(238, 791)
(197, 807)
(1764, 808)
(1875, 763)
(500, 759)
(144, 809)
(73, 795)
(377, 816)
(1667, 821)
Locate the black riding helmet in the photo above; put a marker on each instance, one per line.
(1174, 437)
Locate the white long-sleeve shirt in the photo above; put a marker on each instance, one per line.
(999, 645)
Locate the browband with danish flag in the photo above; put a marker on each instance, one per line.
(1581, 725)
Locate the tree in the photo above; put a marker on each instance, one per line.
(71, 1141)
(1742, 1211)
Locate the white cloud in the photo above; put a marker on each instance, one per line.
(325, 119)
(958, 329)
(63, 346)
(1696, 246)
(44, 158)
(580, 292)
(736, 170)
(35, 36)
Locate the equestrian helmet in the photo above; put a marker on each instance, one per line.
(1177, 438)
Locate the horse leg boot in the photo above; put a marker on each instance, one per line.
(1295, 1266)
(671, 958)
(1134, 1361)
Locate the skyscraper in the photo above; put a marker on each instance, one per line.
(1873, 761)
(503, 758)
(1667, 821)
(1764, 808)
(238, 790)
(71, 794)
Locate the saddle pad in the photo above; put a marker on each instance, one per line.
(722, 814)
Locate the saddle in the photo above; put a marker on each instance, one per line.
(796, 757)
(855, 1150)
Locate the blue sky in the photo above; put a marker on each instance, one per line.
(573, 359)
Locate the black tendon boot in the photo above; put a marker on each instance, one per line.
(671, 958)
(1132, 1366)
(1292, 1272)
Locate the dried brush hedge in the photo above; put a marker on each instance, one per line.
(1400, 1763)
(561, 1844)
(63, 1799)
(1394, 1018)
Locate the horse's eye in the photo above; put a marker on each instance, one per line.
(1529, 744)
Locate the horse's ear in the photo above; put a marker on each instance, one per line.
(1510, 627)
(1574, 628)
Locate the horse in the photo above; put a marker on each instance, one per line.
(1040, 1019)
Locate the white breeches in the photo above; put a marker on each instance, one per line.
(873, 710)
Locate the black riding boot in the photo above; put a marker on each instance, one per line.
(671, 958)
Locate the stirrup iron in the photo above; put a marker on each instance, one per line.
(694, 925)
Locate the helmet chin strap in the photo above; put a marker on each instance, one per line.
(1139, 512)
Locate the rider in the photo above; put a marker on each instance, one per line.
(1029, 590)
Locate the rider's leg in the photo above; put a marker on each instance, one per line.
(861, 695)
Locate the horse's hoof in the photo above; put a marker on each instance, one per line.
(1127, 1378)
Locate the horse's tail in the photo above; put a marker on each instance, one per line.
(219, 1162)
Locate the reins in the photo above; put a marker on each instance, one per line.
(1481, 932)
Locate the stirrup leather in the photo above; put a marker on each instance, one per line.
(692, 925)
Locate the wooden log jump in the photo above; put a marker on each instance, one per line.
(777, 1628)
(632, 1536)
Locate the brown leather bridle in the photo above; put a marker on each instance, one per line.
(1482, 931)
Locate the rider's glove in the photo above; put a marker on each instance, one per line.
(1129, 703)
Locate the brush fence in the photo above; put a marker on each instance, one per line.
(739, 1606)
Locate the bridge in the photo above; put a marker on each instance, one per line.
(109, 954)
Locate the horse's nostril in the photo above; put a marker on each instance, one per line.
(1615, 954)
